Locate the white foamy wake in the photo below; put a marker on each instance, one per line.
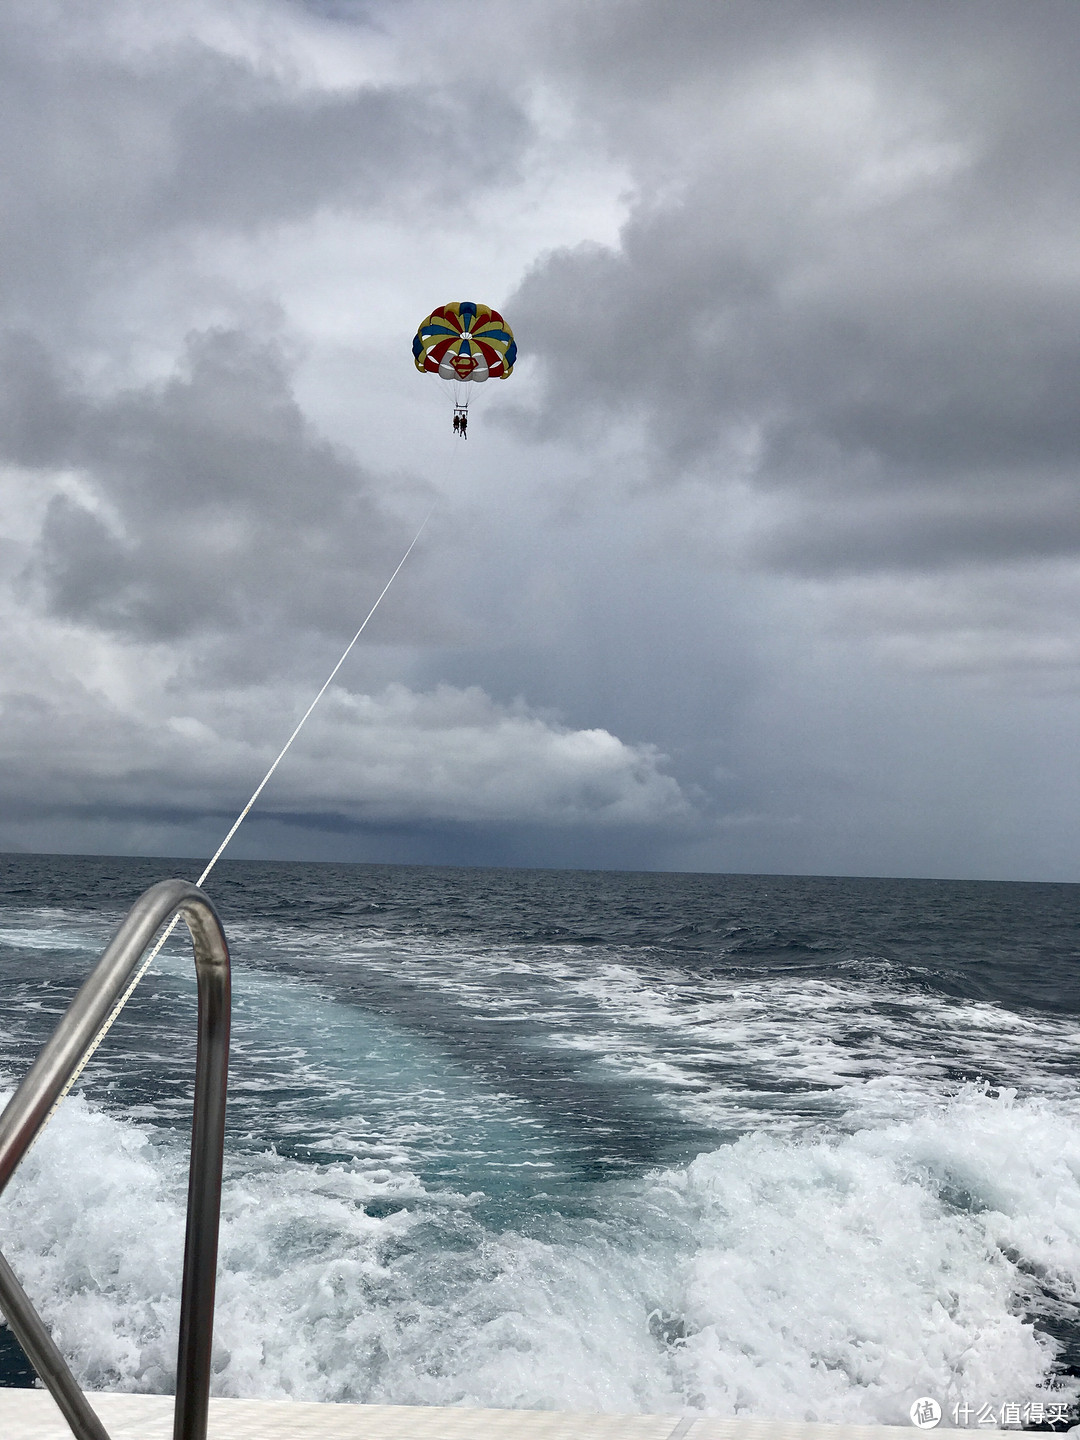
(837, 1280)
(832, 1278)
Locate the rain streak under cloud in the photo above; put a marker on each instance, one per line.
(765, 558)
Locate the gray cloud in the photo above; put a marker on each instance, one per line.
(996, 518)
(855, 291)
(107, 152)
(205, 503)
(784, 487)
(448, 757)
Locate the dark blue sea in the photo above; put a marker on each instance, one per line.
(755, 1145)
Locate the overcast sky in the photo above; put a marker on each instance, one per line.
(764, 559)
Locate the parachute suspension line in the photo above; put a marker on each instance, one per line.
(107, 1024)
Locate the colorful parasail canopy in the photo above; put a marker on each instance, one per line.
(465, 341)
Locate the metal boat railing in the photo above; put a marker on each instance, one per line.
(46, 1082)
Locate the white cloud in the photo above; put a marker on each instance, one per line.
(457, 754)
(399, 756)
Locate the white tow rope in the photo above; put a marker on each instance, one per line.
(108, 1022)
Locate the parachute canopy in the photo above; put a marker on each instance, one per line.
(465, 341)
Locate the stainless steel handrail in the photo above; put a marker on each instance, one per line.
(45, 1082)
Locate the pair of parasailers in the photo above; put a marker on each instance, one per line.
(463, 341)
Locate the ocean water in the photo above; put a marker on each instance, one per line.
(768, 1146)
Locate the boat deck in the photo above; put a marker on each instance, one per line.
(32, 1415)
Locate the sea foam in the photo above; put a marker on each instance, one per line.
(827, 1278)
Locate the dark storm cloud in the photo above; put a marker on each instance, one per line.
(851, 275)
(204, 503)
